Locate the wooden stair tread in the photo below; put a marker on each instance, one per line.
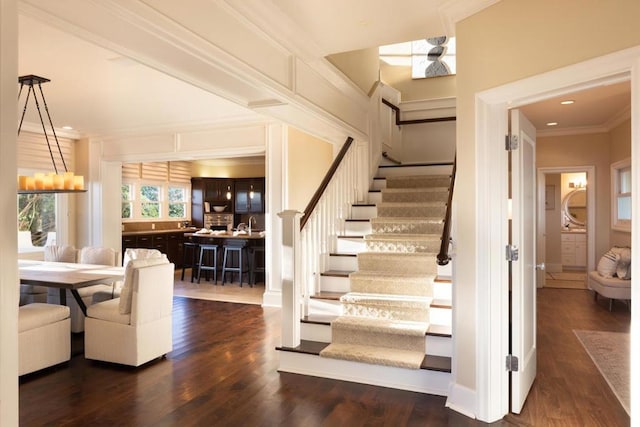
(318, 319)
(429, 363)
(343, 254)
(439, 330)
(327, 295)
(409, 165)
(351, 236)
(442, 279)
(441, 303)
(357, 220)
(336, 273)
(364, 204)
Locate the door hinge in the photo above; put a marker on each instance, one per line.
(511, 142)
(512, 363)
(512, 252)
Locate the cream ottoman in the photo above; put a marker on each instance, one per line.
(44, 336)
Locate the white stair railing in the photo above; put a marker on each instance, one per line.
(315, 237)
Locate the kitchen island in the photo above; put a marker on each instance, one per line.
(253, 242)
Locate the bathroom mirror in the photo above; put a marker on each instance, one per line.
(574, 209)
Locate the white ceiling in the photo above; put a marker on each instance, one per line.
(98, 92)
(594, 110)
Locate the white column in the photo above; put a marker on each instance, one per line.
(290, 278)
(275, 177)
(9, 288)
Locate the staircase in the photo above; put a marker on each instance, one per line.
(383, 315)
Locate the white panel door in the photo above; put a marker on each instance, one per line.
(523, 284)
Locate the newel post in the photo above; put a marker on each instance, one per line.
(290, 277)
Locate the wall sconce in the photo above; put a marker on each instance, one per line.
(251, 192)
(228, 192)
(62, 181)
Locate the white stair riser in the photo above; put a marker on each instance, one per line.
(363, 212)
(442, 290)
(378, 184)
(343, 263)
(414, 170)
(325, 307)
(445, 270)
(439, 346)
(350, 246)
(357, 228)
(418, 380)
(315, 332)
(375, 197)
(434, 345)
(334, 284)
(440, 316)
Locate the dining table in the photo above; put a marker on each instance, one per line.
(67, 276)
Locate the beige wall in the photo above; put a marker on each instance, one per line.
(433, 88)
(360, 66)
(308, 159)
(507, 42)
(222, 170)
(552, 248)
(583, 150)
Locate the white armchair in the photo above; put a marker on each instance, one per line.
(135, 328)
(86, 255)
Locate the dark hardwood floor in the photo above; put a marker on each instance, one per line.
(222, 372)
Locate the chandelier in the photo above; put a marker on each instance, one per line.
(62, 180)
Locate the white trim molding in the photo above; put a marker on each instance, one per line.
(491, 113)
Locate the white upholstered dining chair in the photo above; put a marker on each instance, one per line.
(86, 255)
(137, 327)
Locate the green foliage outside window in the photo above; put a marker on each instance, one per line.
(37, 214)
(150, 195)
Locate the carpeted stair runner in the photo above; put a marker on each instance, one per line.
(386, 314)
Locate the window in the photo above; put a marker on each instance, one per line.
(36, 220)
(621, 195)
(127, 201)
(177, 202)
(150, 201)
(432, 57)
(143, 200)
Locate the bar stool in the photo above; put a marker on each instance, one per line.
(255, 252)
(189, 258)
(208, 261)
(228, 265)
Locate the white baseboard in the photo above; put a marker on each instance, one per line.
(462, 399)
(272, 299)
(418, 380)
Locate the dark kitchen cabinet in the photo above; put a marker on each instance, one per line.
(249, 195)
(212, 191)
(168, 243)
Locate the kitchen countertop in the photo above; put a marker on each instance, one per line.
(254, 236)
(171, 230)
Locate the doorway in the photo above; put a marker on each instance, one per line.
(553, 211)
(491, 113)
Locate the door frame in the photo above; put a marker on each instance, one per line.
(491, 108)
(591, 210)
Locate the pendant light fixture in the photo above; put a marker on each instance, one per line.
(63, 180)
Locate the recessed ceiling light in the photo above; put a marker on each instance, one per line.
(552, 124)
(67, 127)
(567, 102)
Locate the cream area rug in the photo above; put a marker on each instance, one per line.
(610, 352)
(230, 292)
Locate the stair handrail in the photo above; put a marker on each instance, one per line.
(400, 122)
(443, 257)
(325, 182)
